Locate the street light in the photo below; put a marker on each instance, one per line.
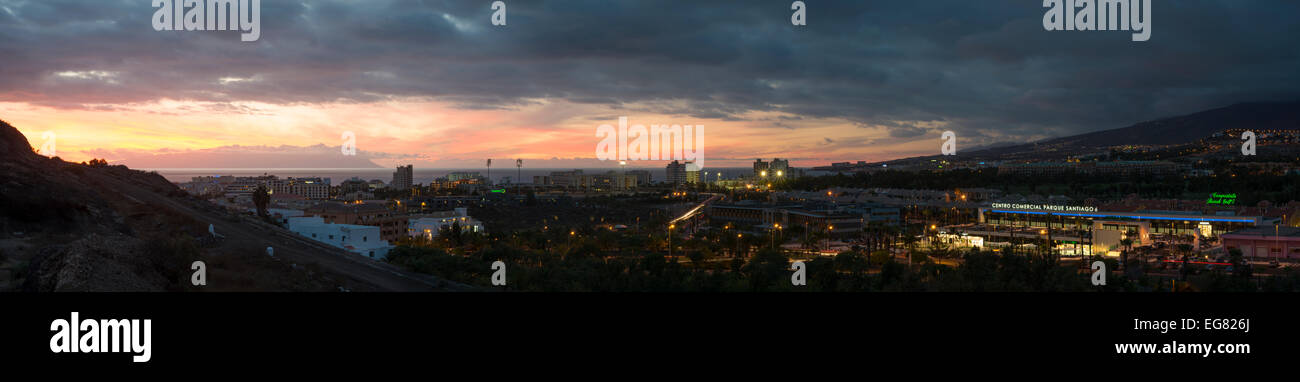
(670, 240)
(777, 227)
(738, 244)
(829, 230)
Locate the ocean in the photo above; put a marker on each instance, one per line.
(422, 175)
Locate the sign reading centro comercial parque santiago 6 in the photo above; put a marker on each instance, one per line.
(1045, 207)
(1222, 199)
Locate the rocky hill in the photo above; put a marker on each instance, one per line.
(93, 227)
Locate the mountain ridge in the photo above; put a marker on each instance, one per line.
(1181, 129)
(1188, 127)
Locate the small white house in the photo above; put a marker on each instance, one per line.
(428, 225)
(359, 239)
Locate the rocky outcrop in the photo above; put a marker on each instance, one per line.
(96, 263)
(39, 194)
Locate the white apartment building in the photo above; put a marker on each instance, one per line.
(308, 188)
(363, 240)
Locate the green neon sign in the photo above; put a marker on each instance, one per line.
(1222, 199)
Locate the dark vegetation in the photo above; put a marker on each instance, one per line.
(1251, 187)
(581, 269)
(601, 260)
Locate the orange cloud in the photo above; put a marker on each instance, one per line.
(430, 132)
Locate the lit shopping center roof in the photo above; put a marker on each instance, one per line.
(1165, 215)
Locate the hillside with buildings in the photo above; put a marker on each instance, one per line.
(93, 227)
(1208, 134)
(1260, 116)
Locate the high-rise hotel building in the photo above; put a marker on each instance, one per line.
(676, 173)
(402, 178)
(777, 168)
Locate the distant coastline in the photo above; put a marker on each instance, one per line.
(422, 175)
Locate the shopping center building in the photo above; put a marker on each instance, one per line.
(1078, 217)
(1104, 231)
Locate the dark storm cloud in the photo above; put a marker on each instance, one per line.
(987, 68)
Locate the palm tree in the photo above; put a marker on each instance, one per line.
(891, 237)
(1014, 220)
(909, 240)
(261, 198)
(809, 240)
(1127, 242)
(876, 237)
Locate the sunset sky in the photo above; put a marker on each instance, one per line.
(435, 84)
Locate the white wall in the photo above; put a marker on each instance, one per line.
(359, 239)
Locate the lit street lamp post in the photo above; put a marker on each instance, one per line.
(670, 241)
(738, 237)
(830, 229)
(776, 228)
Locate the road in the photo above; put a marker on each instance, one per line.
(358, 273)
(697, 209)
